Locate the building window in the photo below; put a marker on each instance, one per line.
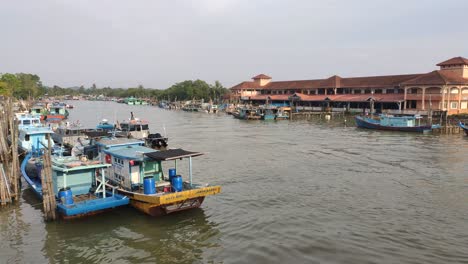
(378, 91)
(454, 105)
(367, 91)
(464, 105)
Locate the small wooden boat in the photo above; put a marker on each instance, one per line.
(137, 173)
(464, 127)
(75, 185)
(393, 123)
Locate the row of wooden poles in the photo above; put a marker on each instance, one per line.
(9, 160)
(10, 183)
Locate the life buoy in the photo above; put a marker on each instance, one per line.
(108, 158)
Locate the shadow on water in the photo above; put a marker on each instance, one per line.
(128, 236)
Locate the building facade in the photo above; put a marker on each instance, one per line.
(445, 89)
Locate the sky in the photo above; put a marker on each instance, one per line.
(157, 43)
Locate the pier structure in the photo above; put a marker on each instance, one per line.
(444, 90)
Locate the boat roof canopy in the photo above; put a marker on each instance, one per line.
(171, 154)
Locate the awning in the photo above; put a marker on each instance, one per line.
(171, 154)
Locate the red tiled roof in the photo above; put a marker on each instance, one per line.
(261, 76)
(441, 77)
(246, 85)
(454, 61)
(376, 81)
(332, 82)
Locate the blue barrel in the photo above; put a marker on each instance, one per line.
(65, 195)
(172, 174)
(148, 185)
(177, 183)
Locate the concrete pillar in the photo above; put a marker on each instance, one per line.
(423, 97)
(404, 98)
(459, 98)
(443, 99)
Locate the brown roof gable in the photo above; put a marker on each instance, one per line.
(440, 77)
(261, 76)
(454, 61)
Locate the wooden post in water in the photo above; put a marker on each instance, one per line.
(9, 171)
(48, 195)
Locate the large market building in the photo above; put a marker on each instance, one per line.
(445, 89)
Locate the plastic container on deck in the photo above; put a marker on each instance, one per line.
(65, 195)
(177, 183)
(148, 185)
(172, 174)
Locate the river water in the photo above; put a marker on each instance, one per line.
(292, 191)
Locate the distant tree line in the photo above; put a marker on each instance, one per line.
(25, 85)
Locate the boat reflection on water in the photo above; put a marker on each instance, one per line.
(125, 235)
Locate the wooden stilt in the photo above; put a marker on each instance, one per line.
(48, 195)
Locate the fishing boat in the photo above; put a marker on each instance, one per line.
(32, 133)
(105, 125)
(139, 129)
(39, 110)
(464, 127)
(282, 113)
(267, 114)
(394, 123)
(57, 112)
(247, 114)
(137, 173)
(74, 184)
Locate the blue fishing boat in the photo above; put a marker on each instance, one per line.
(137, 173)
(75, 185)
(394, 123)
(105, 125)
(464, 127)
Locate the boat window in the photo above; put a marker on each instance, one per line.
(26, 122)
(138, 128)
(144, 127)
(26, 137)
(35, 121)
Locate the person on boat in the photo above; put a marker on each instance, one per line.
(131, 116)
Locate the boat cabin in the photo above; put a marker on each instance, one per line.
(69, 135)
(33, 138)
(135, 128)
(27, 120)
(132, 162)
(398, 121)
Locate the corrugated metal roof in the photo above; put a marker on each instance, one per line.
(172, 154)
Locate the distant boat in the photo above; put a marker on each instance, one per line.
(464, 127)
(75, 185)
(394, 123)
(57, 112)
(105, 125)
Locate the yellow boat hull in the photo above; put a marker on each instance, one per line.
(156, 205)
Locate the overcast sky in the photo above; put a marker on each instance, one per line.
(158, 43)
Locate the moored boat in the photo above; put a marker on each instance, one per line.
(464, 127)
(32, 133)
(57, 112)
(137, 173)
(75, 185)
(394, 123)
